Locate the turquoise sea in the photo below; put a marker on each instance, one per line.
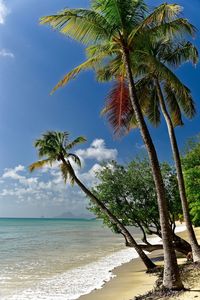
(57, 259)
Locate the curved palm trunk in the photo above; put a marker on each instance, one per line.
(171, 276)
(181, 185)
(148, 263)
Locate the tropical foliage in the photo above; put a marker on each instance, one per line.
(101, 29)
(129, 191)
(191, 167)
(150, 65)
(56, 147)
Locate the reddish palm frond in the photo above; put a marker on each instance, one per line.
(118, 109)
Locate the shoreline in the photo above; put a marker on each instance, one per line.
(129, 280)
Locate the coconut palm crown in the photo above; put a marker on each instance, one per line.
(150, 65)
(109, 24)
(54, 146)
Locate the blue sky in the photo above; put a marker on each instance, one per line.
(32, 59)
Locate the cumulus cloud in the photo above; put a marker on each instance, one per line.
(97, 151)
(13, 173)
(140, 146)
(6, 53)
(3, 11)
(89, 177)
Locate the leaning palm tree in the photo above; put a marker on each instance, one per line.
(55, 147)
(158, 84)
(119, 25)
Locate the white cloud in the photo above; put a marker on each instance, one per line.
(19, 168)
(3, 11)
(89, 177)
(12, 173)
(140, 146)
(98, 151)
(6, 53)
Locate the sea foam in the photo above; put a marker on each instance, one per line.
(76, 282)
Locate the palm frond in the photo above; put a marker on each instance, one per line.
(131, 122)
(88, 64)
(75, 158)
(39, 164)
(107, 49)
(114, 69)
(104, 74)
(173, 106)
(119, 13)
(152, 112)
(83, 25)
(163, 13)
(160, 15)
(77, 141)
(183, 52)
(176, 28)
(148, 99)
(118, 107)
(66, 173)
(184, 99)
(138, 8)
(183, 94)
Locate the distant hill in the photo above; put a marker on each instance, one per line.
(70, 215)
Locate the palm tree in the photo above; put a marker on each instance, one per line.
(55, 147)
(174, 145)
(118, 26)
(158, 84)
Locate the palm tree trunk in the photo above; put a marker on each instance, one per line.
(148, 263)
(171, 276)
(181, 185)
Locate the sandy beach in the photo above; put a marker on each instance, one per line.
(131, 280)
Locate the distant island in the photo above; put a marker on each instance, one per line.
(70, 215)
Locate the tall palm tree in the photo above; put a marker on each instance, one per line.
(119, 25)
(174, 145)
(158, 84)
(55, 147)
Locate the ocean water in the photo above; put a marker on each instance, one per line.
(57, 259)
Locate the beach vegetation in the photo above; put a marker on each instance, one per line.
(191, 168)
(129, 192)
(119, 27)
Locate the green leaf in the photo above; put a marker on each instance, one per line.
(75, 158)
(88, 64)
(39, 164)
(82, 25)
(77, 141)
